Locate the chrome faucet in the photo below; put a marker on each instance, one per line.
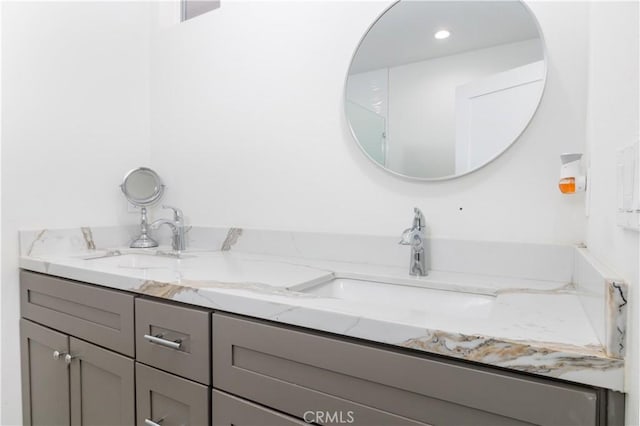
(178, 240)
(415, 237)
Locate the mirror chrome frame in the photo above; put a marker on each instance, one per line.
(154, 198)
(449, 177)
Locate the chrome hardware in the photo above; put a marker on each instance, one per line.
(144, 240)
(68, 358)
(65, 356)
(150, 422)
(415, 237)
(177, 213)
(177, 344)
(143, 188)
(178, 241)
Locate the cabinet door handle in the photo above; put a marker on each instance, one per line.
(164, 342)
(65, 356)
(68, 358)
(150, 422)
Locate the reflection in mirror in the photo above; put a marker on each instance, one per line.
(438, 89)
(142, 186)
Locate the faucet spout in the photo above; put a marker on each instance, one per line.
(178, 239)
(158, 223)
(415, 237)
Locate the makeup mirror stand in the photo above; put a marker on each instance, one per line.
(143, 187)
(144, 240)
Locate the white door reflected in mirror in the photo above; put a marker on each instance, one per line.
(438, 89)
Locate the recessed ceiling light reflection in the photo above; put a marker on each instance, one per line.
(442, 34)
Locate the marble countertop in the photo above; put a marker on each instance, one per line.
(533, 325)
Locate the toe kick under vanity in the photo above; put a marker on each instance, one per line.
(240, 337)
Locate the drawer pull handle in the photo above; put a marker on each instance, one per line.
(150, 422)
(164, 342)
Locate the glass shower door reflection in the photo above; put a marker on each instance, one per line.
(369, 129)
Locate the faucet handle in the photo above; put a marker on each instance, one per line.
(412, 237)
(405, 238)
(177, 213)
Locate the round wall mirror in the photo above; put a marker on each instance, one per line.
(438, 89)
(142, 187)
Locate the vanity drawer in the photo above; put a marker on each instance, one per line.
(296, 371)
(228, 410)
(174, 338)
(168, 400)
(97, 315)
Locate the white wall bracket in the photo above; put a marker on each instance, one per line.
(628, 185)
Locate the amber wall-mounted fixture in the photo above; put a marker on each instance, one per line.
(572, 179)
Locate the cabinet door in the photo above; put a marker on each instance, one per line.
(168, 400)
(228, 410)
(297, 371)
(102, 386)
(45, 379)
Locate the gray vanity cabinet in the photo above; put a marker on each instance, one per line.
(71, 374)
(89, 312)
(102, 386)
(174, 338)
(45, 380)
(229, 410)
(82, 364)
(91, 387)
(168, 400)
(297, 371)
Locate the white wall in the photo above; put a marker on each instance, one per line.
(613, 122)
(248, 129)
(422, 95)
(1, 307)
(75, 117)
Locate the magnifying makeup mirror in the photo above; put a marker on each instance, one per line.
(143, 187)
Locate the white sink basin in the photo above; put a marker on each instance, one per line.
(427, 300)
